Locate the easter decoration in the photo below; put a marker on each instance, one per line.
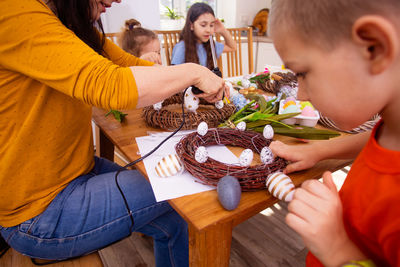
(280, 186)
(277, 112)
(169, 165)
(192, 148)
(229, 192)
(169, 115)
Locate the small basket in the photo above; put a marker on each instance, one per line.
(169, 117)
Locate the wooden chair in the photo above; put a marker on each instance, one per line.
(112, 37)
(234, 61)
(170, 39)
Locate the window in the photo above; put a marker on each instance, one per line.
(180, 7)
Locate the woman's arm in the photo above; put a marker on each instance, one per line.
(230, 44)
(306, 156)
(157, 83)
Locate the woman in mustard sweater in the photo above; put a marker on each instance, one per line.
(56, 199)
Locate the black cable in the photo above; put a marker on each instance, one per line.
(145, 156)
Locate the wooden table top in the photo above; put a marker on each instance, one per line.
(202, 210)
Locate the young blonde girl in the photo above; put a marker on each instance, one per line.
(194, 45)
(140, 42)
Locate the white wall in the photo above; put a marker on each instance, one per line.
(147, 12)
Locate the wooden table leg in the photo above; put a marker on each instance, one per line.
(104, 147)
(210, 247)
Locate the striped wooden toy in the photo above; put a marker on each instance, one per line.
(280, 186)
(168, 166)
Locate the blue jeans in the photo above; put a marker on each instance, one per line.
(90, 214)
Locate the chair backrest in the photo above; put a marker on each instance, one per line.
(234, 61)
(170, 39)
(112, 37)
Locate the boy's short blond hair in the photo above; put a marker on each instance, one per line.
(326, 21)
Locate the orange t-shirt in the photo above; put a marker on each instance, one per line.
(371, 204)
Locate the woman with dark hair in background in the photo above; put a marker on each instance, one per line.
(194, 45)
(56, 199)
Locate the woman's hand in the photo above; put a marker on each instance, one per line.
(316, 214)
(301, 156)
(212, 85)
(153, 57)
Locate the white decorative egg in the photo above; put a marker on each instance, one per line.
(268, 132)
(241, 126)
(246, 157)
(232, 91)
(266, 155)
(191, 101)
(169, 165)
(219, 104)
(202, 128)
(246, 83)
(280, 186)
(201, 154)
(158, 106)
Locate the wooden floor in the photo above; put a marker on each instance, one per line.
(263, 240)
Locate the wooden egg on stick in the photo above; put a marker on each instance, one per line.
(280, 186)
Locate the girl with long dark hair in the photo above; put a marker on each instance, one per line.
(57, 200)
(194, 45)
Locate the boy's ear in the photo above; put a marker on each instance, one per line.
(378, 39)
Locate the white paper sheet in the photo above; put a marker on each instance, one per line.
(184, 183)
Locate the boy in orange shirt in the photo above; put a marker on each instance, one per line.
(349, 70)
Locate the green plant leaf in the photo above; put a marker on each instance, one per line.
(118, 115)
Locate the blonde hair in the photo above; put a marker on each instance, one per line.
(326, 21)
(133, 37)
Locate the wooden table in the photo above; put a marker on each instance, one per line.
(210, 226)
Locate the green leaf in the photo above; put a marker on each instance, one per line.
(302, 132)
(118, 115)
(260, 100)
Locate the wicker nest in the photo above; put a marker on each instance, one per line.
(169, 117)
(280, 79)
(251, 178)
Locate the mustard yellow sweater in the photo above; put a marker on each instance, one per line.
(49, 79)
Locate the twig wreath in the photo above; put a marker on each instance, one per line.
(251, 178)
(168, 119)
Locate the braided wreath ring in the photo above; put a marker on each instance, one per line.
(251, 178)
(171, 120)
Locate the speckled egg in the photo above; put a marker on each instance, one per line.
(202, 128)
(169, 165)
(266, 155)
(201, 154)
(246, 157)
(280, 186)
(229, 192)
(191, 101)
(241, 126)
(268, 132)
(158, 106)
(219, 104)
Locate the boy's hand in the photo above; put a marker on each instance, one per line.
(301, 156)
(316, 214)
